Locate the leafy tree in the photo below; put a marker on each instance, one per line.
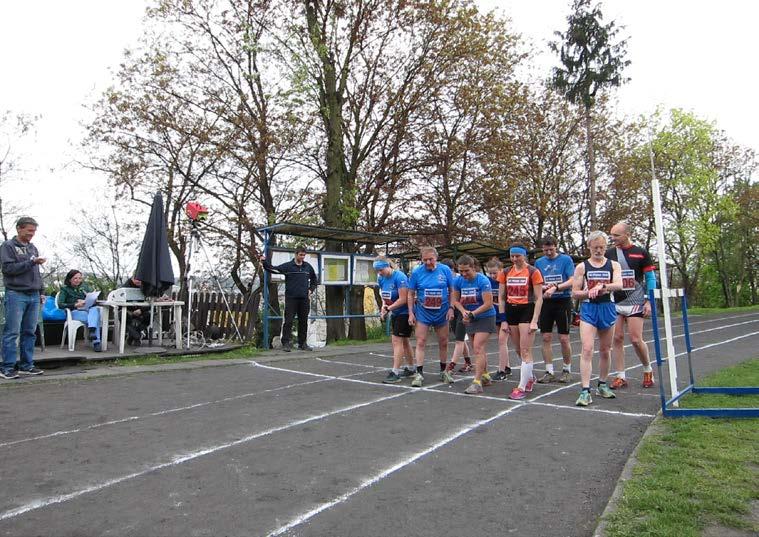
(591, 62)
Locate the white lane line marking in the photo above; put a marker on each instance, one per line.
(158, 413)
(297, 521)
(574, 385)
(594, 409)
(179, 459)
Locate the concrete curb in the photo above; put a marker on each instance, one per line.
(656, 426)
(76, 373)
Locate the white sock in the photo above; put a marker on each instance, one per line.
(549, 368)
(647, 368)
(567, 367)
(525, 375)
(397, 371)
(621, 374)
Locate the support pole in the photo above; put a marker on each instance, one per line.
(656, 199)
(265, 274)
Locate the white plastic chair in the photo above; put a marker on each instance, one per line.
(70, 327)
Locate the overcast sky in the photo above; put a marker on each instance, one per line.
(57, 56)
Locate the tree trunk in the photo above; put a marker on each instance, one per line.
(591, 171)
(357, 327)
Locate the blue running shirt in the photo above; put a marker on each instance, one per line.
(471, 292)
(431, 286)
(556, 271)
(389, 290)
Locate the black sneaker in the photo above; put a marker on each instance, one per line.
(97, 346)
(32, 371)
(391, 378)
(406, 373)
(8, 374)
(286, 347)
(500, 375)
(305, 347)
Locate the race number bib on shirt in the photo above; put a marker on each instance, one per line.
(517, 287)
(628, 280)
(495, 294)
(386, 297)
(552, 278)
(468, 297)
(598, 277)
(433, 299)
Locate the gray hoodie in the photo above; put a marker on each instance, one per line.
(19, 271)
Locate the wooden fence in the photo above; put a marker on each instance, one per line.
(208, 309)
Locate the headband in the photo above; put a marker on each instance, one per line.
(517, 250)
(379, 264)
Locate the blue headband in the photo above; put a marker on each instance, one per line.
(517, 250)
(379, 264)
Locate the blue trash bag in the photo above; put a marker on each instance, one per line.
(50, 312)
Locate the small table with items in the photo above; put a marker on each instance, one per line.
(120, 321)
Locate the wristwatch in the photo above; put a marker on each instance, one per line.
(471, 316)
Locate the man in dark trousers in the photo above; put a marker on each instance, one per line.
(23, 295)
(300, 282)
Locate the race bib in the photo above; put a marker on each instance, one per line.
(468, 297)
(433, 299)
(386, 297)
(495, 295)
(628, 280)
(552, 278)
(517, 287)
(598, 277)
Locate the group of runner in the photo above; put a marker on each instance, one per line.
(442, 296)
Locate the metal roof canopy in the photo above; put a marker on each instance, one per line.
(480, 250)
(331, 233)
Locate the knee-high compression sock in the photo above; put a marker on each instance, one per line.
(526, 374)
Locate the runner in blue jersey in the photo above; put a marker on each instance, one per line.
(393, 287)
(594, 281)
(459, 332)
(473, 297)
(493, 268)
(558, 271)
(429, 293)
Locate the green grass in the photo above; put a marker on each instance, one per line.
(246, 351)
(707, 311)
(695, 472)
(374, 334)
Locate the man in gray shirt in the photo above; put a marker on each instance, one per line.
(23, 295)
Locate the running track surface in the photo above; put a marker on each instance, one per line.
(318, 446)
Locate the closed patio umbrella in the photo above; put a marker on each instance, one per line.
(154, 266)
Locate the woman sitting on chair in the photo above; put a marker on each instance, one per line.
(72, 297)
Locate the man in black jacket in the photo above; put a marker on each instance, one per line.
(300, 282)
(23, 295)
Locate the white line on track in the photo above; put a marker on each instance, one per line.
(165, 412)
(386, 472)
(179, 459)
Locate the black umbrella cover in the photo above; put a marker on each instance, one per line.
(154, 267)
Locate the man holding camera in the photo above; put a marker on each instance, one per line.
(23, 295)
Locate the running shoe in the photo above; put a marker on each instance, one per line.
(530, 385)
(446, 377)
(618, 383)
(604, 391)
(565, 377)
(585, 399)
(406, 373)
(391, 378)
(10, 374)
(474, 389)
(418, 380)
(517, 393)
(500, 375)
(486, 379)
(466, 368)
(648, 379)
(548, 377)
(32, 371)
